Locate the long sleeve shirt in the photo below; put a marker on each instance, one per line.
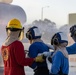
(59, 61)
(34, 50)
(71, 49)
(14, 59)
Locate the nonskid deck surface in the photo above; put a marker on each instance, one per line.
(29, 71)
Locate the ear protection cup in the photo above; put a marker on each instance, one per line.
(33, 33)
(73, 30)
(52, 40)
(28, 35)
(55, 41)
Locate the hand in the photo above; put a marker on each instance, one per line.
(39, 59)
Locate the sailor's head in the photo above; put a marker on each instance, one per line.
(73, 32)
(14, 27)
(59, 38)
(33, 34)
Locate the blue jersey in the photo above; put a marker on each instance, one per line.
(34, 50)
(59, 61)
(71, 49)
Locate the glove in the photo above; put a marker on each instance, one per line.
(47, 53)
(39, 58)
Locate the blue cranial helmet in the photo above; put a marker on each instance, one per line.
(59, 38)
(33, 33)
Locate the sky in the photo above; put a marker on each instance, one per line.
(57, 11)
